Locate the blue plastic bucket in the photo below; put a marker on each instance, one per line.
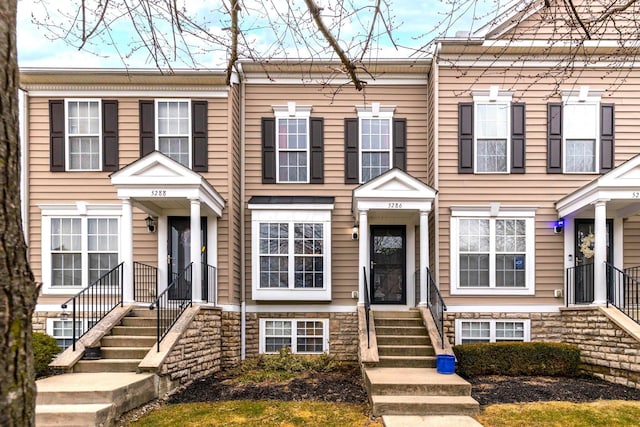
(445, 364)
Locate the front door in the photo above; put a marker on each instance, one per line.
(388, 266)
(179, 249)
(585, 239)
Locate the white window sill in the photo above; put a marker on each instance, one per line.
(292, 294)
(492, 291)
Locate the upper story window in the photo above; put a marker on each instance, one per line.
(374, 143)
(291, 251)
(491, 132)
(174, 130)
(580, 133)
(83, 135)
(292, 146)
(177, 128)
(79, 245)
(492, 251)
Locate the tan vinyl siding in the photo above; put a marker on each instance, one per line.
(234, 202)
(47, 187)
(334, 105)
(535, 188)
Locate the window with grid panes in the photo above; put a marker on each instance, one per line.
(375, 147)
(83, 135)
(301, 336)
(293, 149)
(174, 130)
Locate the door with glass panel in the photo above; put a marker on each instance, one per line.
(179, 252)
(388, 264)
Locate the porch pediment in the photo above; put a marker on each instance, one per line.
(155, 182)
(394, 189)
(620, 188)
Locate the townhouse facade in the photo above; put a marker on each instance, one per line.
(502, 171)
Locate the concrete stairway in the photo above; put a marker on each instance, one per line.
(126, 345)
(405, 381)
(99, 391)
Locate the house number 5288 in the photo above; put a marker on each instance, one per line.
(395, 205)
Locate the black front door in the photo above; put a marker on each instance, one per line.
(388, 266)
(179, 250)
(585, 240)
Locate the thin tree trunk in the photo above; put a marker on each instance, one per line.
(18, 292)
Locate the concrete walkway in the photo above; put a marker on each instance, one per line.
(430, 421)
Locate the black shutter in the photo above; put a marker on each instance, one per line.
(465, 137)
(110, 135)
(400, 143)
(316, 162)
(351, 156)
(147, 128)
(199, 136)
(554, 137)
(518, 137)
(268, 150)
(56, 136)
(607, 137)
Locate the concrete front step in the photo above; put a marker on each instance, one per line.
(406, 350)
(404, 330)
(396, 314)
(124, 352)
(149, 322)
(135, 330)
(407, 362)
(107, 365)
(403, 340)
(143, 312)
(399, 322)
(424, 405)
(128, 341)
(80, 415)
(414, 381)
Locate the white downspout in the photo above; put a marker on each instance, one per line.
(436, 169)
(243, 259)
(23, 101)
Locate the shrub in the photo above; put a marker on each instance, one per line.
(518, 358)
(284, 365)
(44, 348)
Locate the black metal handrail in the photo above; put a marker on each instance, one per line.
(172, 302)
(579, 284)
(633, 271)
(367, 305)
(145, 282)
(436, 305)
(209, 284)
(416, 285)
(623, 292)
(94, 302)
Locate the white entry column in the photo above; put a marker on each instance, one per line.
(424, 255)
(126, 236)
(600, 253)
(363, 252)
(196, 248)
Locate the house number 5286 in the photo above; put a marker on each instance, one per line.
(395, 205)
(635, 195)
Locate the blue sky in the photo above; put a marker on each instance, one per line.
(417, 22)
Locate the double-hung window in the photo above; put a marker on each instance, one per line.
(306, 336)
(174, 130)
(480, 331)
(62, 330)
(492, 253)
(78, 249)
(492, 136)
(293, 149)
(291, 255)
(375, 146)
(83, 134)
(581, 123)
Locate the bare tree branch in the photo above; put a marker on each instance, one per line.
(576, 15)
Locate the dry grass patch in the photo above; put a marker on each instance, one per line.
(604, 413)
(261, 412)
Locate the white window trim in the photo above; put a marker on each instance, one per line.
(189, 128)
(492, 212)
(67, 134)
(292, 111)
(495, 97)
(374, 111)
(492, 328)
(259, 216)
(582, 97)
(49, 329)
(83, 211)
(325, 334)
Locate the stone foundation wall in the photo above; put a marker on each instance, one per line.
(544, 326)
(231, 339)
(39, 320)
(343, 332)
(608, 351)
(198, 352)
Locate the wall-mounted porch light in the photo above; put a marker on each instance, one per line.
(63, 314)
(151, 224)
(558, 226)
(354, 232)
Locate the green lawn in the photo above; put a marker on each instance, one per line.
(604, 413)
(262, 413)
